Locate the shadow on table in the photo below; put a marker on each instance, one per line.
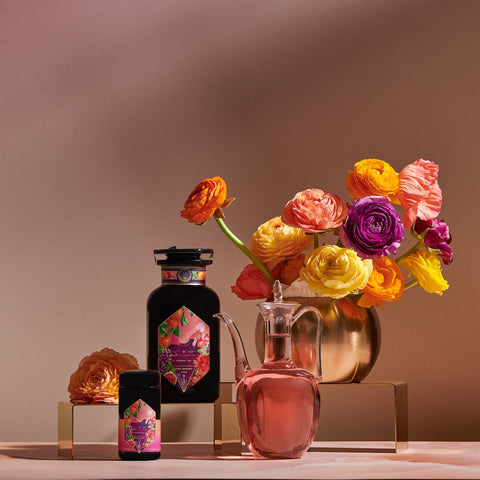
(49, 451)
(108, 451)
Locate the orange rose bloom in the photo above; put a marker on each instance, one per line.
(385, 284)
(96, 379)
(208, 196)
(372, 177)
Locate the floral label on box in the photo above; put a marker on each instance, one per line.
(139, 430)
(183, 349)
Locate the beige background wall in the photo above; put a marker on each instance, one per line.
(112, 111)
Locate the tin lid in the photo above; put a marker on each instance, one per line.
(139, 378)
(183, 256)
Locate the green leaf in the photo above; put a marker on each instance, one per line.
(176, 331)
(163, 329)
(183, 320)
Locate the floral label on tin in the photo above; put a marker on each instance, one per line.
(183, 349)
(139, 429)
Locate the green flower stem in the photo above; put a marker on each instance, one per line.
(230, 235)
(416, 247)
(315, 240)
(410, 284)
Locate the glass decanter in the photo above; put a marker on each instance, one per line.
(278, 404)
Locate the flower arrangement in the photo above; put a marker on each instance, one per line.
(369, 232)
(96, 379)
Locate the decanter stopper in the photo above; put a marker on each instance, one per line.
(277, 291)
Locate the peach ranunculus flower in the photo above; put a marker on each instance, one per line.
(252, 285)
(96, 379)
(419, 192)
(206, 200)
(372, 176)
(425, 267)
(274, 242)
(314, 211)
(385, 284)
(335, 271)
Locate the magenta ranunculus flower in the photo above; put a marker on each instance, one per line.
(436, 237)
(373, 228)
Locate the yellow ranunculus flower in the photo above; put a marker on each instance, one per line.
(385, 284)
(274, 242)
(372, 176)
(335, 271)
(425, 267)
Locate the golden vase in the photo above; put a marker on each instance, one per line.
(350, 339)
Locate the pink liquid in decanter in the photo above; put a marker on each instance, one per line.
(278, 405)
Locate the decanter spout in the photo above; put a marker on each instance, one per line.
(241, 363)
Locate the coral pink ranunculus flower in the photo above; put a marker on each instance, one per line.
(314, 211)
(419, 192)
(96, 379)
(252, 284)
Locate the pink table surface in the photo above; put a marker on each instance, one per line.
(421, 460)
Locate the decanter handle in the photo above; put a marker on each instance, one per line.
(318, 337)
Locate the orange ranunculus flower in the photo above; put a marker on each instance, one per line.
(274, 242)
(96, 379)
(292, 268)
(207, 197)
(385, 284)
(372, 176)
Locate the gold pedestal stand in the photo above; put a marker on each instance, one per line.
(226, 434)
(398, 392)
